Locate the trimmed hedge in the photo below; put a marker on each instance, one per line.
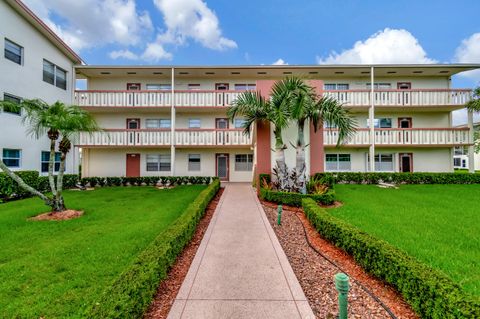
(295, 199)
(9, 189)
(402, 178)
(132, 292)
(145, 180)
(430, 292)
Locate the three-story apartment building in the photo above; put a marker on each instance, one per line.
(35, 64)
(172, 120)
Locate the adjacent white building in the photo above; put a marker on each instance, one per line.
(34, 63)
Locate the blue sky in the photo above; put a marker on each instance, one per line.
(192, 32)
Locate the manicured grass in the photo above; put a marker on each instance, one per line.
(437, 224)
(57, 269)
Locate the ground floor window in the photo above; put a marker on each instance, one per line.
(383, 163)
(338, 162)
(158, 162)
(193, 162)
(243, 162)
(11, 157)
(46, 159)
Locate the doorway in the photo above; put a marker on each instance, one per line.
(133, 124)
(221, 98)
(404, 92)
(133, 165)
(222, 137)
(134, 86)
(405, 122)
(406, 162)
(222, 166)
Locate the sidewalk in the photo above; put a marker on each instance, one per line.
(240, 269)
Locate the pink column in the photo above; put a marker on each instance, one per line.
(317, 152)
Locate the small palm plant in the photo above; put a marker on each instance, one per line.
(55, 121)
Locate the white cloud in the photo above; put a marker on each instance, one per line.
(123, 54)
(469, 52)
(384, 47)
(155, 52)
(191, 19)
(90, 23)
(280, 62)
(461, 117)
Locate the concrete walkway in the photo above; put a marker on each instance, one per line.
(240, 269)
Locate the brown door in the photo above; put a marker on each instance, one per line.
(133, 124)
(406, 162)
(132, 97)
(222, 137)
(405, 122)
(404, 85)
(134, 86)
(222, 166)
(221, 97)
(221, 123)
(133, 165)
(404, 94)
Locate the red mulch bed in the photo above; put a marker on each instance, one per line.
(315, 273)
(65, 215)
(168, 289)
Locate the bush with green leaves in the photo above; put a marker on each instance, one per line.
(295, 199)
(132, 292)
(430, 292)
(9, 189)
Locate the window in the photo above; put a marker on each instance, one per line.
(379, 86)
(157, 123)
(243, 162)
(13, 99)
(159, 87)
(54, 75)
(158, 162)
(383, 162)
(11, 157)
(338, 162)
(13, 52)
(239, 123)
(457, 162)
(381, 123)
(336, 86)
(245, 87)
(461, 150)
(46, 158)
(194, 86)
(193, 162)
(194, 123)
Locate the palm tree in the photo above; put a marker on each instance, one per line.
(276, 110)
(53, 120)
(474, 104)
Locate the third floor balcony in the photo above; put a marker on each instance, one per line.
(96, 99)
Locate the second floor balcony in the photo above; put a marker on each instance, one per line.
(163, 138)
(205, 98)
(395, 137)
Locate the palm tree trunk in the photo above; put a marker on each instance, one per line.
(60, 203)
(280, 160)
(24, 185)
(51, 165)
(300, 158)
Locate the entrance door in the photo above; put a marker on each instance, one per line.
(221, 124)
(133, 124)
(222, 97)
(133, 136)
(132, 97)
(134, 86)
(133, 165)
(222, 136)
(404, 97)
(406, 162)
(222, 168)
(405, 135)
(405, 122)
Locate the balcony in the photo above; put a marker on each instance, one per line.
(202, 98)
(151, 99)
(403, 98)
(159, 138)
(403, 137)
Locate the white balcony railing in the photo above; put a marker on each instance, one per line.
(423, 97)
(205, 98)
(411, 136)
(188, 137)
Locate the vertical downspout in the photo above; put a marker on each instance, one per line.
(172, 126)
(372, 119)
(471, 148)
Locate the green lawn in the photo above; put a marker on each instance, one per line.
(56, 269)
(437, 224)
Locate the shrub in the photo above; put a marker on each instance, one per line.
(70, 181)
(113, 181)
(295, 199)
(430, 292)
(10, 189)
(131, 293)
(401, 178)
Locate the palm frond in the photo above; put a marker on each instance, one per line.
(474, 104)
(331, 111)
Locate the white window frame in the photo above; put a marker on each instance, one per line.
(377, 123)
(158, 162)
(379, 162)
(336, 86)
(158, 87)
(19, 47)
(194, 166)
(19, 158)
(194, 120)
(55, 164)
(238, 123)
(379, 86)
(56, 70)
(245, 86)
(338, 167)
(244, 165)
(160, 123)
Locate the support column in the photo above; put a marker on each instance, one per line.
(471, 148)
(172, 126)
(371, 116)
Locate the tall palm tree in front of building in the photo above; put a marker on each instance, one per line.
(276, 110)
(474, 104)
(54, 121)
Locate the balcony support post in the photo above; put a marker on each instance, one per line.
(471, 148)
(371, 116)
(172, 125)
